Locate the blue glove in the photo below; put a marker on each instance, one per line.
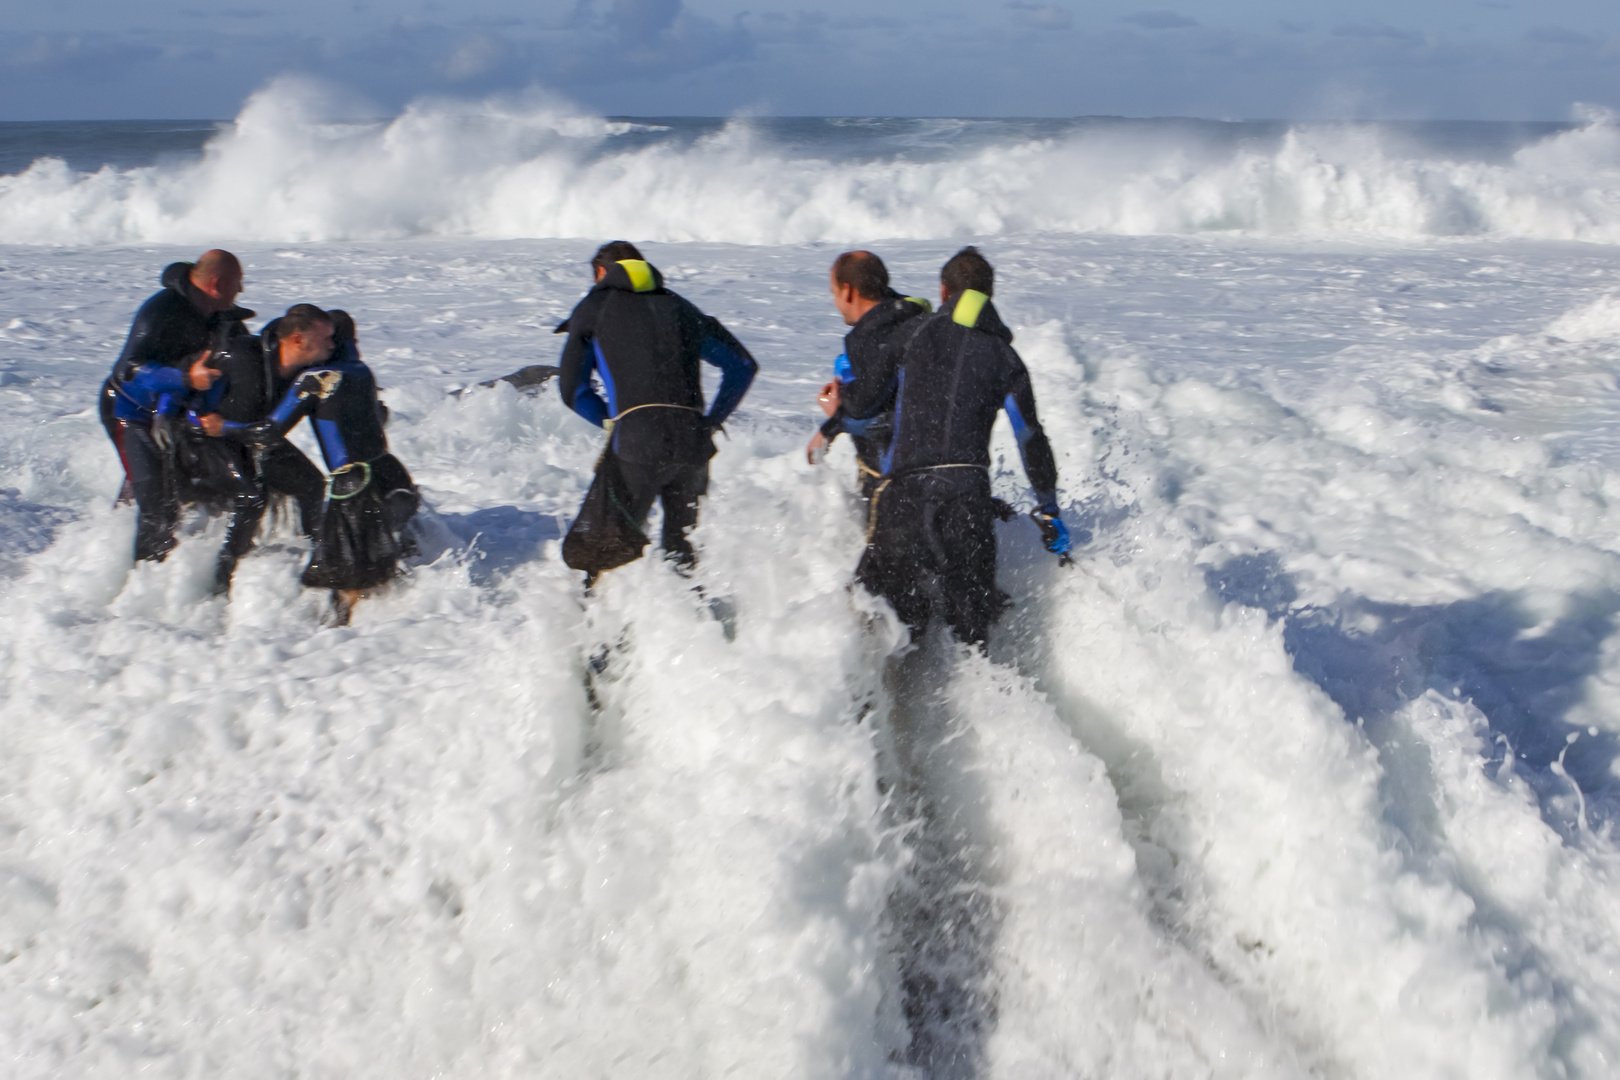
(841, 368)
(1054, 534)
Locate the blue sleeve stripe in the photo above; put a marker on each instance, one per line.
(894, 434)
(587, 402)
(607, 378)
(289, 405)
(332, 445)
(1020, 429)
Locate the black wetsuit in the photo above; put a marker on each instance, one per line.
(250, 386)
(873, 348)
(371, 496)
(932, 545)
(645, 344)
(147, 385)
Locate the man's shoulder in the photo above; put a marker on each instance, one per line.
(167, 304)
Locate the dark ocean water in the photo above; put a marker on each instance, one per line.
(123, 144)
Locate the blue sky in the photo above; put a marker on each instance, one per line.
(1440, 59)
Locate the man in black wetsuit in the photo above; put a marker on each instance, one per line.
(932, 547)
(370, 498)
(169, 353)
(644, 343)
(254, 378)
(860, 399)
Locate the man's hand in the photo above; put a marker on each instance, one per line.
(161, 435)
(829, 397)
(212, 424)
(261, 434)
(1054, 534)
(199, 376)
(817, 450)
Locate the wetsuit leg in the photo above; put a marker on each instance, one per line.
(682, 487)
(965, 528)
(159, 507)
(109, 423)
(933, 549)
(868, 464)
(222, 473)
(896, 564)
(677, 486)
(642, 484)
(285, 470)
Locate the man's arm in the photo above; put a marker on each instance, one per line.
(737, 368)
(301, 398)
(153, 382)
(1039, 465)
(581, 356)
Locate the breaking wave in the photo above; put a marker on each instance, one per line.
(493, 169)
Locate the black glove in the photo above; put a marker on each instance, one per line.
(261, 434)
(162, 433)
(1002, 509)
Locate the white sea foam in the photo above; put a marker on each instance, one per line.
(498, 169)
(1277, 780)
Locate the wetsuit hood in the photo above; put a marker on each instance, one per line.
(177, 277)
(987, 320)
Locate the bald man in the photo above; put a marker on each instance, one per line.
(175, 335)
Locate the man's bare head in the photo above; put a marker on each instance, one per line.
(859, 281)
(306, 334)
(217, 275)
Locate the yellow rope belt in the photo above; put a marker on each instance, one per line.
(364, 466)
(607, 425)
(877, 492)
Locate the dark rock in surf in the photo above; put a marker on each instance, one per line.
(528, 380)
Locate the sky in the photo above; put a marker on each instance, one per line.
(1224, 59)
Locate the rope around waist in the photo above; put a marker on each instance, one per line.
(877, 492)
(607, 425)
(363, 466)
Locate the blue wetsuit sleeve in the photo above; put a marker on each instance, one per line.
(1033, 448)
(737, 369)
(155, 380)
(292, 408)
(333, 448)
(207, 401)
(580, 357)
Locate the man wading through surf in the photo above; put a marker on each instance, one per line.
(932, 545)
(643, 342)
(170, 352)
(370, 498)
(860, 399)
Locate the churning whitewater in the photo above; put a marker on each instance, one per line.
(1305, 768)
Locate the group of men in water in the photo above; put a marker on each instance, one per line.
(199, 409)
